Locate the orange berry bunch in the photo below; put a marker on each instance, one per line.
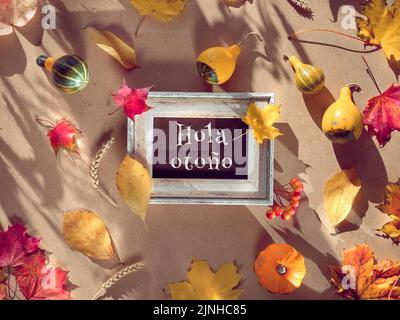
(292, 193)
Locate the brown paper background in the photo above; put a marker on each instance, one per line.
(37, 188)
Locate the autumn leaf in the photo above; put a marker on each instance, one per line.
(15, 244)
(382, 115)
(132, 101)
(204, 284)
(115, 47)
(64, 136)
(261, 120)
(361, 278)
(340, 192)
(39, 281)
(391, 207)
(391, 204)
(16, 13)
(382, 26)
(3, 288)
(85, 232)
(163, 10)
(236, 3)
(134, 185)
(391, 230)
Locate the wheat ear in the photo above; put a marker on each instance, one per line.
(302, 6)
(94, 170)
(117, 277)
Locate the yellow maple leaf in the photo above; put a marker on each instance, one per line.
(261, 120)
(204, 284)
(382, 26)
(340, 193)
(361, 278)
(163, 10)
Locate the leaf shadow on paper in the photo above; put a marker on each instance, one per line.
(362, 155)
(13, 57)
(26, 166)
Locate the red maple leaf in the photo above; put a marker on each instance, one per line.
(133, 101)
(39, 281)
(15, 244)
(382, 115)
(63, 136)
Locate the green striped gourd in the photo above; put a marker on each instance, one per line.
(309, 79)
(70, 73)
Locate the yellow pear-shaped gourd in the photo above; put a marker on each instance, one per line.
(343, 120)
(216, 65)
(309, 79)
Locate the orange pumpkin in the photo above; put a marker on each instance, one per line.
(280, 268)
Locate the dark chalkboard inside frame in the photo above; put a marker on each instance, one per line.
(199, 151)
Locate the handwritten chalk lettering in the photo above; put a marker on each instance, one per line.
(184, 134)
(196, 148)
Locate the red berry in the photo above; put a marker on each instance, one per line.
(286, 217)
(299, 188)
(294, 181)
(271, 215)
(294, 204)
(279, 211)
(290, 211)
(296, 197)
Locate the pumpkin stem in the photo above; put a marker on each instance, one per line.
(281, 269)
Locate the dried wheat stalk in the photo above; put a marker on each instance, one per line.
(117, 277)
(302, 7)
(94, 170)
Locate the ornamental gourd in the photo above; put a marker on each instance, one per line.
(280, 268)
(216, 65)
(343, 121)
(70, 73)
(309, 79)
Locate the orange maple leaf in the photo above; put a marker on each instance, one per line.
(391, 204)
(361, 278)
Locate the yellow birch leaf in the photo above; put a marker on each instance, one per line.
(85, 232)
(261, 120)
(339, 195)
(382, 26)
(163, 10)
(134, 185)
(115, 47)
(204, 284)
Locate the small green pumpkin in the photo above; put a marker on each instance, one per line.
(309, 79)
(70, 73)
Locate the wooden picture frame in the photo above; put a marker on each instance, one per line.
(256, 189)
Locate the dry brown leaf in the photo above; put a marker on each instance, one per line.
(204, 284)
(340, 192)
(361, 278)
(134, 185)
(115, 47)
(85, 232)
